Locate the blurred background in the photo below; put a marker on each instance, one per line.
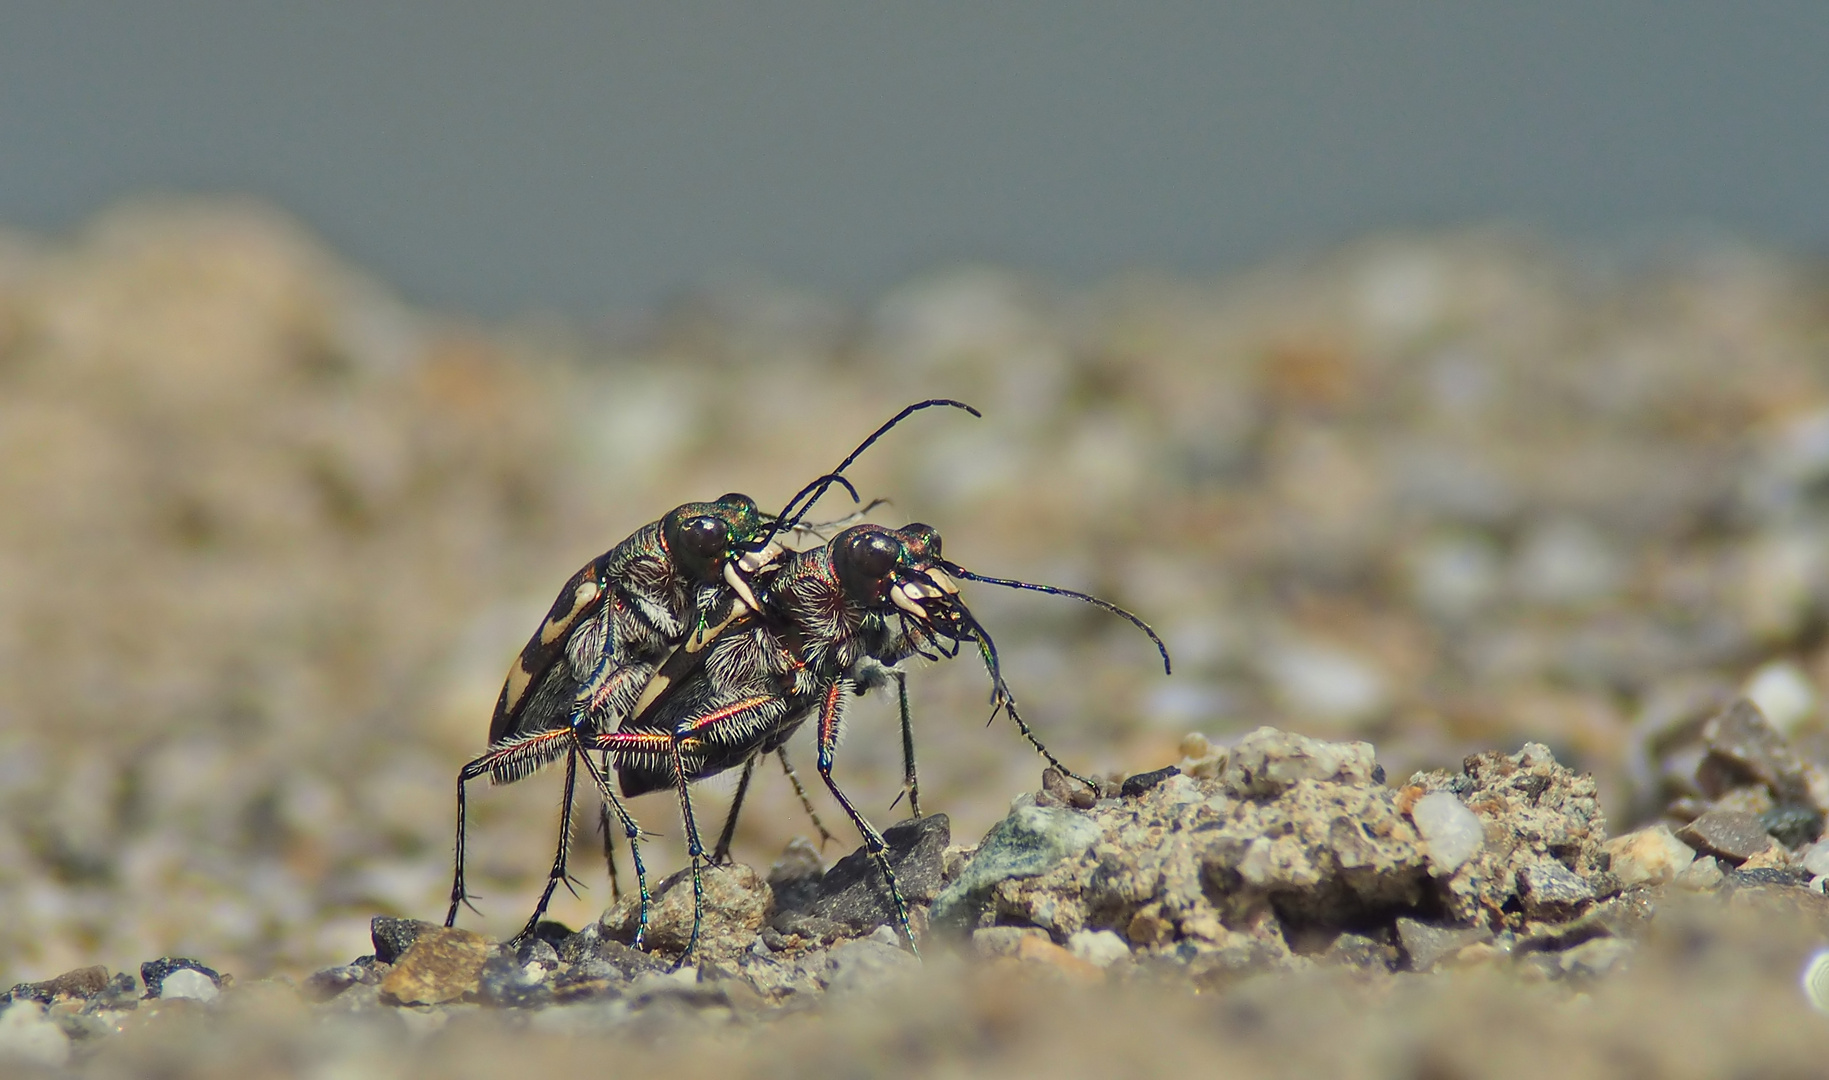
(1446, 380)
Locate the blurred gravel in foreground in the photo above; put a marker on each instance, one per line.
(270, 539)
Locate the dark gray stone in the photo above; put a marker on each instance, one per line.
(795, 876)
(1134, 786)
(1744, 747)
(1729, 834)
(1767, 876)
(1550, 890)
(508, 983)
(853, 892)
(1793, 825)
(395, 936)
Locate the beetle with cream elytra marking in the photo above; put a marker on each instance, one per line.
(833, 622)
(669, 587)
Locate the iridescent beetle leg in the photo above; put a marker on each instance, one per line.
(630, 830)
(831, 713)
(806, 803)
(721, 853)
(507, 752)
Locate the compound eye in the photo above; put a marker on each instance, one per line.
(738, 500)
(706, 536)
(925, 537)
(874, 555)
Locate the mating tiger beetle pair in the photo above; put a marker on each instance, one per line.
(703, 641)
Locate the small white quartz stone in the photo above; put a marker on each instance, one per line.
(1452, 832)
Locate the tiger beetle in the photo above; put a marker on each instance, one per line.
(833, 622)
(668, 588)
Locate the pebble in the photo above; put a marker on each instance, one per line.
(81, 983)
(443, 964)
(1453, 834)
(1703, 875)
(1101, 948)
(1551, 890)
(155, 973)
(1028, 842)
(26, 1036)
(1134, 786)
(392, 937)
(864, 964)
(852, 892)
(794, 877)
(1815, 858)
(1268, 762)
(992, 941)
(189, 983)
(1815, 980)
(1595, 957)
(1427, 945)
(1743, 745)
(1730, 834)
(736, 902)
(1042, 950)
(1649, 856)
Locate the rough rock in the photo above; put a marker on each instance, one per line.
(392, 937)
(1532, 809)
(1003, 940)
(853, 893)
(1551, 892)
(794, 877)
(1098, 947)
(442, 964)
(1703, 875)
(1650, 855)
(1729, 834)
(1026, 843)
(1743, 746)
(867, 964)
(84, 982)
(1267, 762)
(737, 901)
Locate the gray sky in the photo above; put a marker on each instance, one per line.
(595, 157)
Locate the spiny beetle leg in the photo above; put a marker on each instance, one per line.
(720, 854)
(695, 851)
(910, 781)
(825, 837)
(631, 831)
(557, 874)
(530, 748)
(831, 714)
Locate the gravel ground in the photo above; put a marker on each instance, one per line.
(271, 537)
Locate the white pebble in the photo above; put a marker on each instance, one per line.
(185, 983)
(1099, 947)
(25, 1035)
(1815, 980)
(1816, 858)
(1783, 692)
(1452, 833)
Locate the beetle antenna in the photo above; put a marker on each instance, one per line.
(958, 571)
(795, 510)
